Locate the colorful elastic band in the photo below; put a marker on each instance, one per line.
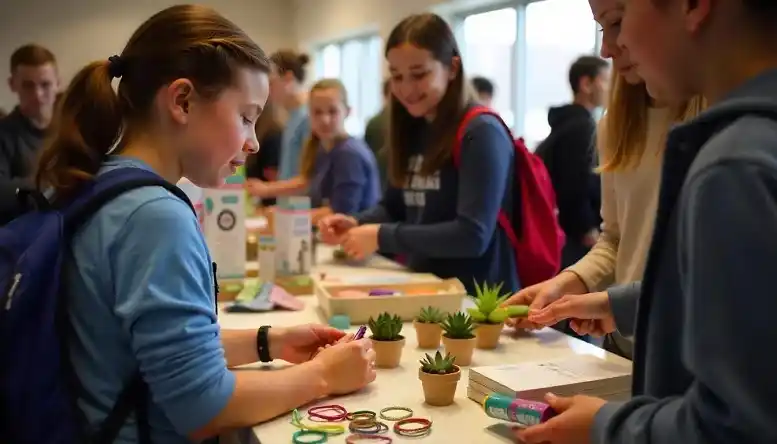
(368, 427)
(355, 439)
(364, 414)
(308, 437)
(296, 421)
(408, 413)
(424, 429)
(334, 413)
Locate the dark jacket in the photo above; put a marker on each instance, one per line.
(703, 370)
(20, 143)
(568, 154)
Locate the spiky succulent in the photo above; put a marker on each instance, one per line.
(438, 364)
(487, 305)
(430, 315)
(386, 327)
(458, 326)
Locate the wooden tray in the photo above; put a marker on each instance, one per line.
(447, 295)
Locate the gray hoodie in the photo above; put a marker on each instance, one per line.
(705, 370)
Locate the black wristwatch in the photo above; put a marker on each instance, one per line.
(263, 343)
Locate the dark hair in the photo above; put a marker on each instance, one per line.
(585, 67)
(3, 113)
(31, 55)
(430, 32)
(288, 60)
(185, 41)
(386, 87)
(483, 86)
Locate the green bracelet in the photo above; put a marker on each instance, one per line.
(408, 413)
(319, 437)
(360, 414)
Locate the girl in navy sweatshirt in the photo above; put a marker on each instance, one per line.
(443, 219)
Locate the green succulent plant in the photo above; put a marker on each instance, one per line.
(386, 327)
(438, 364)
(458, 326)
(430, 315)
(488, 300)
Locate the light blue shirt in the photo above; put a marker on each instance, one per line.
(142, 296)
(294, 136)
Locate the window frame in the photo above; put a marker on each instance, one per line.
(518, 57)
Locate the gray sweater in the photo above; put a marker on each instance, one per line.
(704, 367)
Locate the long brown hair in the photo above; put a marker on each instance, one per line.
(430, 32)
(310, 150)
(268, 122)
(186, 41)
(623, 133)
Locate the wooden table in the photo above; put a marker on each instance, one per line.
(463, 422)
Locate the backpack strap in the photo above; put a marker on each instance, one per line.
(135, 395)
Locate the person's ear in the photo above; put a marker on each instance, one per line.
(11, 85)
(455, 69)
(696, 13)
(178, 98)
(586, 85)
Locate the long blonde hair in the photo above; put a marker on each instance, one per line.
(623, 131)
(310, 150)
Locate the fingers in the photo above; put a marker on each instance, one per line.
(523, 297)
(559, 403)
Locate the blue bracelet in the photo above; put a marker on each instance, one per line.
(320, 437)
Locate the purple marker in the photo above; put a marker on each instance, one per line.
(382, 292)
(360, 333)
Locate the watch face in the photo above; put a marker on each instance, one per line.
(226, 220)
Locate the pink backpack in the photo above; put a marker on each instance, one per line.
(540, 240)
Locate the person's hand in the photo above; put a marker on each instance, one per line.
(539, 295)
(257, 188)
(332, 228)
(589, 314)
(590, 238)
(298, 344)
(572, 425)
(347, 366)
(360, 242)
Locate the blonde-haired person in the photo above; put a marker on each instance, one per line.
(337, 171)
(631, 141)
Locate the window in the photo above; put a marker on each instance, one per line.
(528, 58)
(357, 63)
(490, 54)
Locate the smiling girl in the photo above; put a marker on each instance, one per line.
(443, 219)
(339, 172)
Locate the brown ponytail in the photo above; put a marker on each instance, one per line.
(181, 42)
(87, 126)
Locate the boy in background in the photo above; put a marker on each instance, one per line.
(484, 91)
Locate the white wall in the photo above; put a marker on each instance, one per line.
(79, 31)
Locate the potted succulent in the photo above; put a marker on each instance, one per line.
(427, 327)
(439, 377)
(458, 337)
(489, 316)
(387, 340)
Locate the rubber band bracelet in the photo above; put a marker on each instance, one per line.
(296, 421)
(377, 428)
(425, 428)
(408, 413)
(318, 413)
(363, 422)
(305, 437)
(369, 414)
(355, 439)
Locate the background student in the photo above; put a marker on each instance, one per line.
(338, 172)
(264, 164)
(140, 281)
(484, 90)
(375, 134)
(569, 155)
(289, 93)
(35, 81)
(632, 137)
(443, 220)
(714, 246)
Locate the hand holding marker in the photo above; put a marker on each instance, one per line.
(359, 335)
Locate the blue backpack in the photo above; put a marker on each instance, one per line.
(38, 386)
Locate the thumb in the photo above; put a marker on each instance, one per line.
(545, 296)
(558, 403)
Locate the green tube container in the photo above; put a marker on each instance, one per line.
(516, 410)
